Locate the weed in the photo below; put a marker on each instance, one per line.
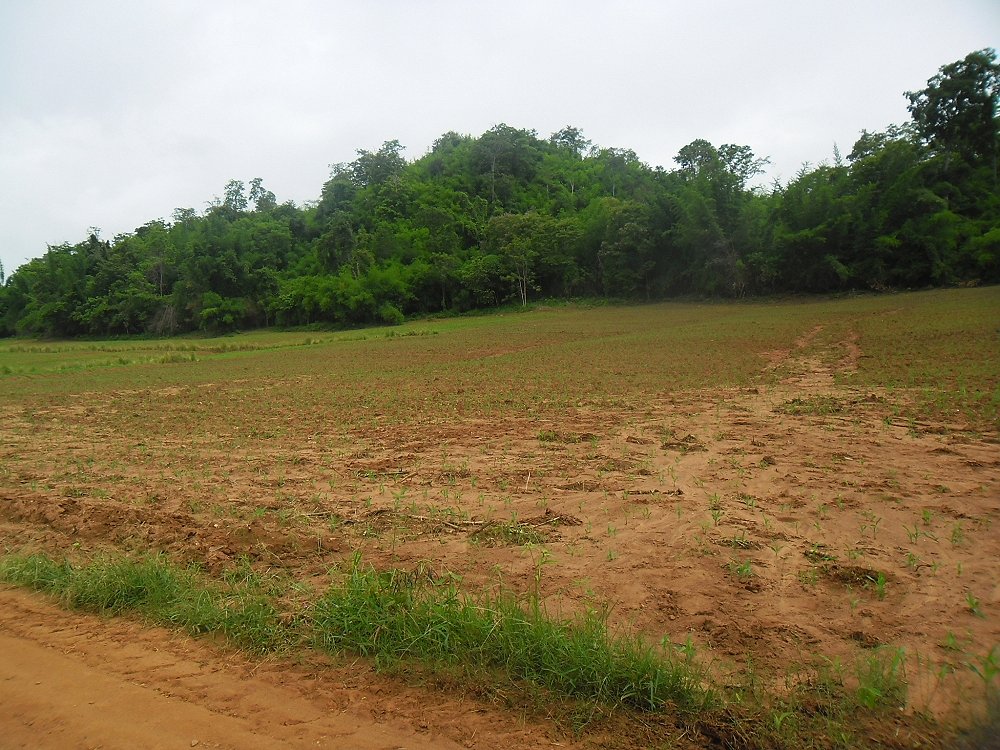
(740, 541)
(814, 406)
(505, 533)
(153, 587)
(392, 617)
(808, 576)
(881, 678)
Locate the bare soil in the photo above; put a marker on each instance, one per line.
(775, 522)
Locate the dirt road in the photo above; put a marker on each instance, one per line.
(70, 680)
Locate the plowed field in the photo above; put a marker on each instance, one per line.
(767, 483)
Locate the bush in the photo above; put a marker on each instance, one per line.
(391, 315)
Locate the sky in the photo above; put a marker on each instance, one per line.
(114, 113)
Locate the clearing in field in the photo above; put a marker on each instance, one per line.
(762, 524)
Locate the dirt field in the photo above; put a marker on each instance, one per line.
(771, 484)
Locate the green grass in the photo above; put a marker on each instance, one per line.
(389, 616)
(154, 588)
(882, 678)
(941, 346)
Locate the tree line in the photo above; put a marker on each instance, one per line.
(509, 216)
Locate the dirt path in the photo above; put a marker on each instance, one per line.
(70, 680)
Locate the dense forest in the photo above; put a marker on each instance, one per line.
(508, 217)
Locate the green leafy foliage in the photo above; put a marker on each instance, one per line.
(509, 217)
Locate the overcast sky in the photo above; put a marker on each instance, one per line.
(113, 113)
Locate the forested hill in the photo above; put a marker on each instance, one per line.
(510, 217)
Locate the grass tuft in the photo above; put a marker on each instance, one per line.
(882, 678)
(154, 588)
(390, 617)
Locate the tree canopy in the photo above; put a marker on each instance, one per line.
(508, 216)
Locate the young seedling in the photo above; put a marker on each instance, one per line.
(873, 522)
(741, 570)
(957, 535)
(951, 642)
(879, 586)
(973, 603)
(987, 667)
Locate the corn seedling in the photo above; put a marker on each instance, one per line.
(741, 570)
(974, 605)
(957, 535)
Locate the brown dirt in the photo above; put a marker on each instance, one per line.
(71, 680)
(860, 528)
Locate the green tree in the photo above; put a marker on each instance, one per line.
(505, 157)
(514, 237)
(957, 113)
(234, 196)
(263, 199)
(377, 167)
(572, 140)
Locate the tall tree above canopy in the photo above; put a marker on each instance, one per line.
(235, 197)
(572, 139)
(701, 158)
(741, 162)
(263, 199)
(697, 157)
(376, 168)
(958, 111)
